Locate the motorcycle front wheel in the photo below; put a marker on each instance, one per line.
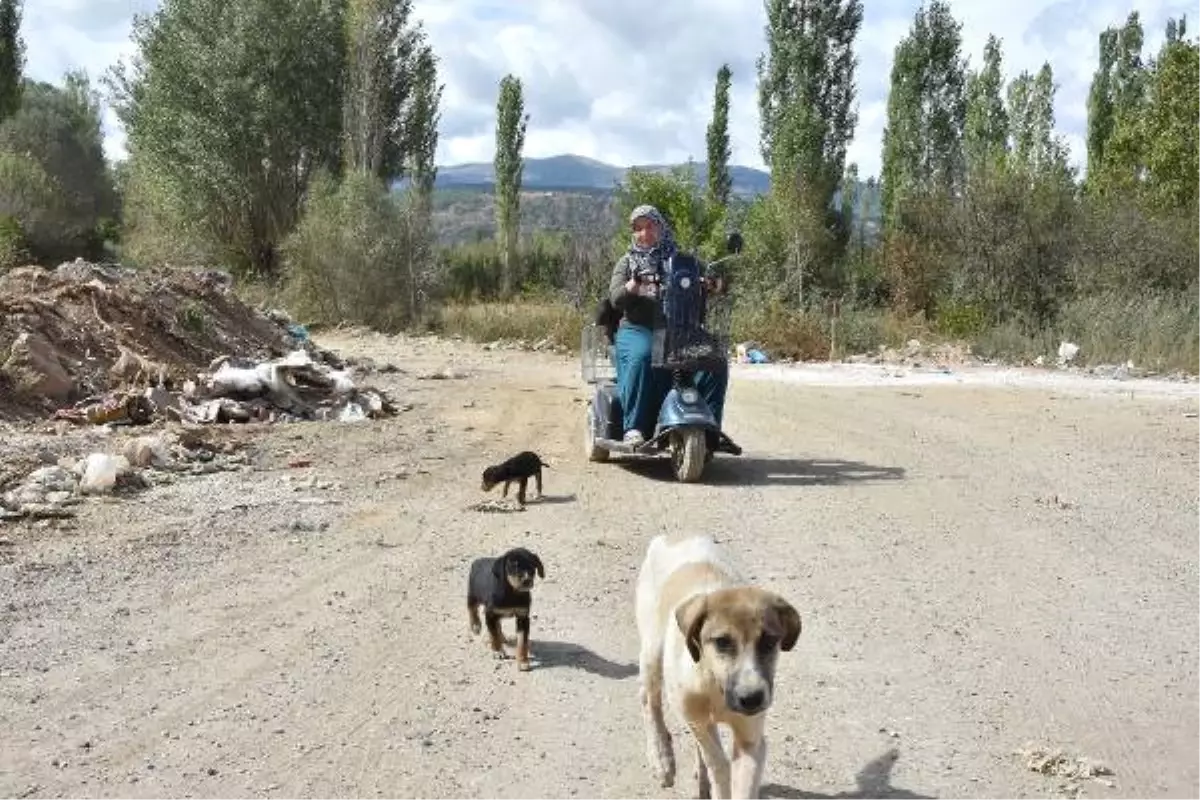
(688, 450)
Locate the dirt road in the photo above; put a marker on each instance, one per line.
(976, 569)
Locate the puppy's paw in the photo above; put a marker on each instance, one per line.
(499, 655)
(476, 628)
(523, 666)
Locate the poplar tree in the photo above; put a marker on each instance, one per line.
(926, 112)
(985, 132)
(806, 94)
(720, 181)
(511, 122)
(381, 49)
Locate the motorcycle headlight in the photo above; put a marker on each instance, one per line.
(689, 396)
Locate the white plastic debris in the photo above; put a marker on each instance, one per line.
(100, 473)
(1067, 352)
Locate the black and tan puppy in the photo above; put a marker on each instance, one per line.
(518, 469)
(502, 586)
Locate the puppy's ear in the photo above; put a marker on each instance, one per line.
(499, 567)
(789, 618)
(537, 562)
(689, 616)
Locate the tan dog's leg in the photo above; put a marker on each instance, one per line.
(748, 761)
(703, 784)
(659, 751)
(712, 756)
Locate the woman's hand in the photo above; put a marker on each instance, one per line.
(631, 285)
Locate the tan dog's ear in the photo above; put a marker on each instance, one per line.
(789, 618)
(689, 615)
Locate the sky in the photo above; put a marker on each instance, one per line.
(630, 82)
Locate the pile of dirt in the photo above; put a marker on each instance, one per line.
(83, 330)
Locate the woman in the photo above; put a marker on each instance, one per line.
(634, 294)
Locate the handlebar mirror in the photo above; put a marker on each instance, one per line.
(734, 243)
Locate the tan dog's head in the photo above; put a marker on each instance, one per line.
(737, 634)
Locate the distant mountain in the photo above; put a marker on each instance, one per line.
(570, 172)
(573, 193)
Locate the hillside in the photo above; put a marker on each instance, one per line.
(576, 172)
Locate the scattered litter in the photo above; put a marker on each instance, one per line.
(294, 387)
(1067, 351)
(545, 345)
(120, 407)
(1055, 501)
(99, 473)
(1054, 762)
(443, 374)
(496, 506)
(51, 491)
(750, 353)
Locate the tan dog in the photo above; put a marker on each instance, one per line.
(710, 641)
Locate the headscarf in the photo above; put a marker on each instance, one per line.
(651, 259)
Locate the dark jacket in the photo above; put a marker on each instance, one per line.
(637, 310)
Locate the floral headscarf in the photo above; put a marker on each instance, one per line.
(654, 258)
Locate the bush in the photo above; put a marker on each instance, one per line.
(358, 255)
(12, 243)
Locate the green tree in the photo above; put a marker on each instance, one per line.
(30, 201)
(12, 58)
(1037, 152)
(421, 129)
(511, 121)
(985, 132)
(926, 112)
(1116, 104)
(673, 192)
(350, 257)
(720, 181)
(233, 123)
(1169, 123)
(806, 94)
(58, 129)
(382, 51)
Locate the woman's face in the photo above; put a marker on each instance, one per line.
(645, 232)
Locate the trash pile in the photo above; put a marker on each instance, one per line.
(97, 344)
(288, 389)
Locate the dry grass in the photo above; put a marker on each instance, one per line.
(529, 321)
(785, 333)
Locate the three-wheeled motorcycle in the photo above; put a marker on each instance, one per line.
(692, 333)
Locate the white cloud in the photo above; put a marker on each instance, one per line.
(628, 82)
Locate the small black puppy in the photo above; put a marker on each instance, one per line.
(518, 469)
(502, 585)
